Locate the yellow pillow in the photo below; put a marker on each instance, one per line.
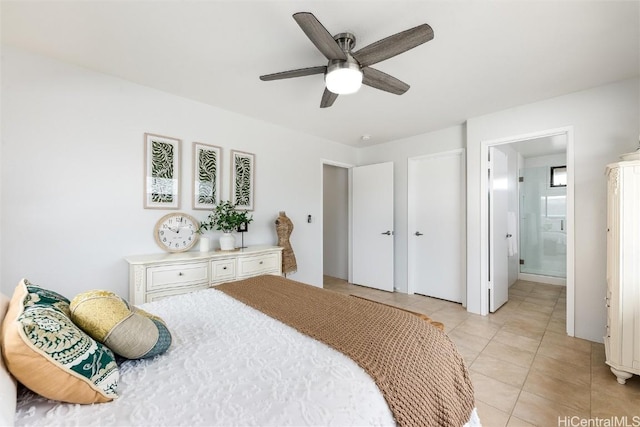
(128, 331)
(47, 353)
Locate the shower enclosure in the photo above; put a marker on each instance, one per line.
(543, 235)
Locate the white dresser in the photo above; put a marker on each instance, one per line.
(157, 276)
(622, 341)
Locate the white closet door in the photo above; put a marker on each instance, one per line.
(437, 226)
(372, 203)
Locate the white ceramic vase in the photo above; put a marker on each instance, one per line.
(227, 242)
(205, 244)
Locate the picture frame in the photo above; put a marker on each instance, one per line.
(206, 175)
(243, 170)
(162, 172)
(243, 228)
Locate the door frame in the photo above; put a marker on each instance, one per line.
(411, 220)
(347, 166)
(484, 216)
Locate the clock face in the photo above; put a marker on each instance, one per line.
(176, 232)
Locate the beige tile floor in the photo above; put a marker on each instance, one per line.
(525, 370)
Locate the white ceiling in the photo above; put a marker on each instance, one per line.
(544, 146)
(486, 56)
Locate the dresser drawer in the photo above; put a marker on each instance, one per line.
(223, 270)
(169, 292)
(259, 264)
(177, 275)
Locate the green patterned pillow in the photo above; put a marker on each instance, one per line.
(50, 355)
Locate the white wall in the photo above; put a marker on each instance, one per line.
(72, 174)
(606, 123)
(335, 221)
(399, 152)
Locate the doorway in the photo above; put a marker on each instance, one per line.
(335, 222)
(368, 196)
(537, 145)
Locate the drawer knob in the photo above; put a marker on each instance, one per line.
(180, 274)
(261, 262)
(224, 268)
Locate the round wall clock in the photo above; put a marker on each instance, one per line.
(176, 232)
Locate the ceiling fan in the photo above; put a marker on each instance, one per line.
(347, 70)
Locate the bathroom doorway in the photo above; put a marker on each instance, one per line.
(556, 225)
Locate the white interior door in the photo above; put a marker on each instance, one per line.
(498, 243)
(372, 207)
(437, 226)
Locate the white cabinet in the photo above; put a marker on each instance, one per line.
(622, 340)
(157, 276)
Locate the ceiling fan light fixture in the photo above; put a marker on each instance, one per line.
(345, 74)
(343, 77)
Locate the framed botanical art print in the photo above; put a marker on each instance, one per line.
(206, 175)
(162, 172)
(243, 170)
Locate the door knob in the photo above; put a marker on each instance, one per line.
(419, 233)
(388, 233)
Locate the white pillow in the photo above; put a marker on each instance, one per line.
(8, 388)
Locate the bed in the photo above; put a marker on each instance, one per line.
(264, 351)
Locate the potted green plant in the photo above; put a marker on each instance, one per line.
(226, 218)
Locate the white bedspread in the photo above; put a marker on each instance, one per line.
(229, 365)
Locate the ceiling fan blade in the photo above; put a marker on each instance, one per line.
(383, 81)
(328, 98)
(294, 73)
(393, 45)
(319, 35)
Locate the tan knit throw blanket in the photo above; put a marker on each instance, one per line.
(416, 367)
